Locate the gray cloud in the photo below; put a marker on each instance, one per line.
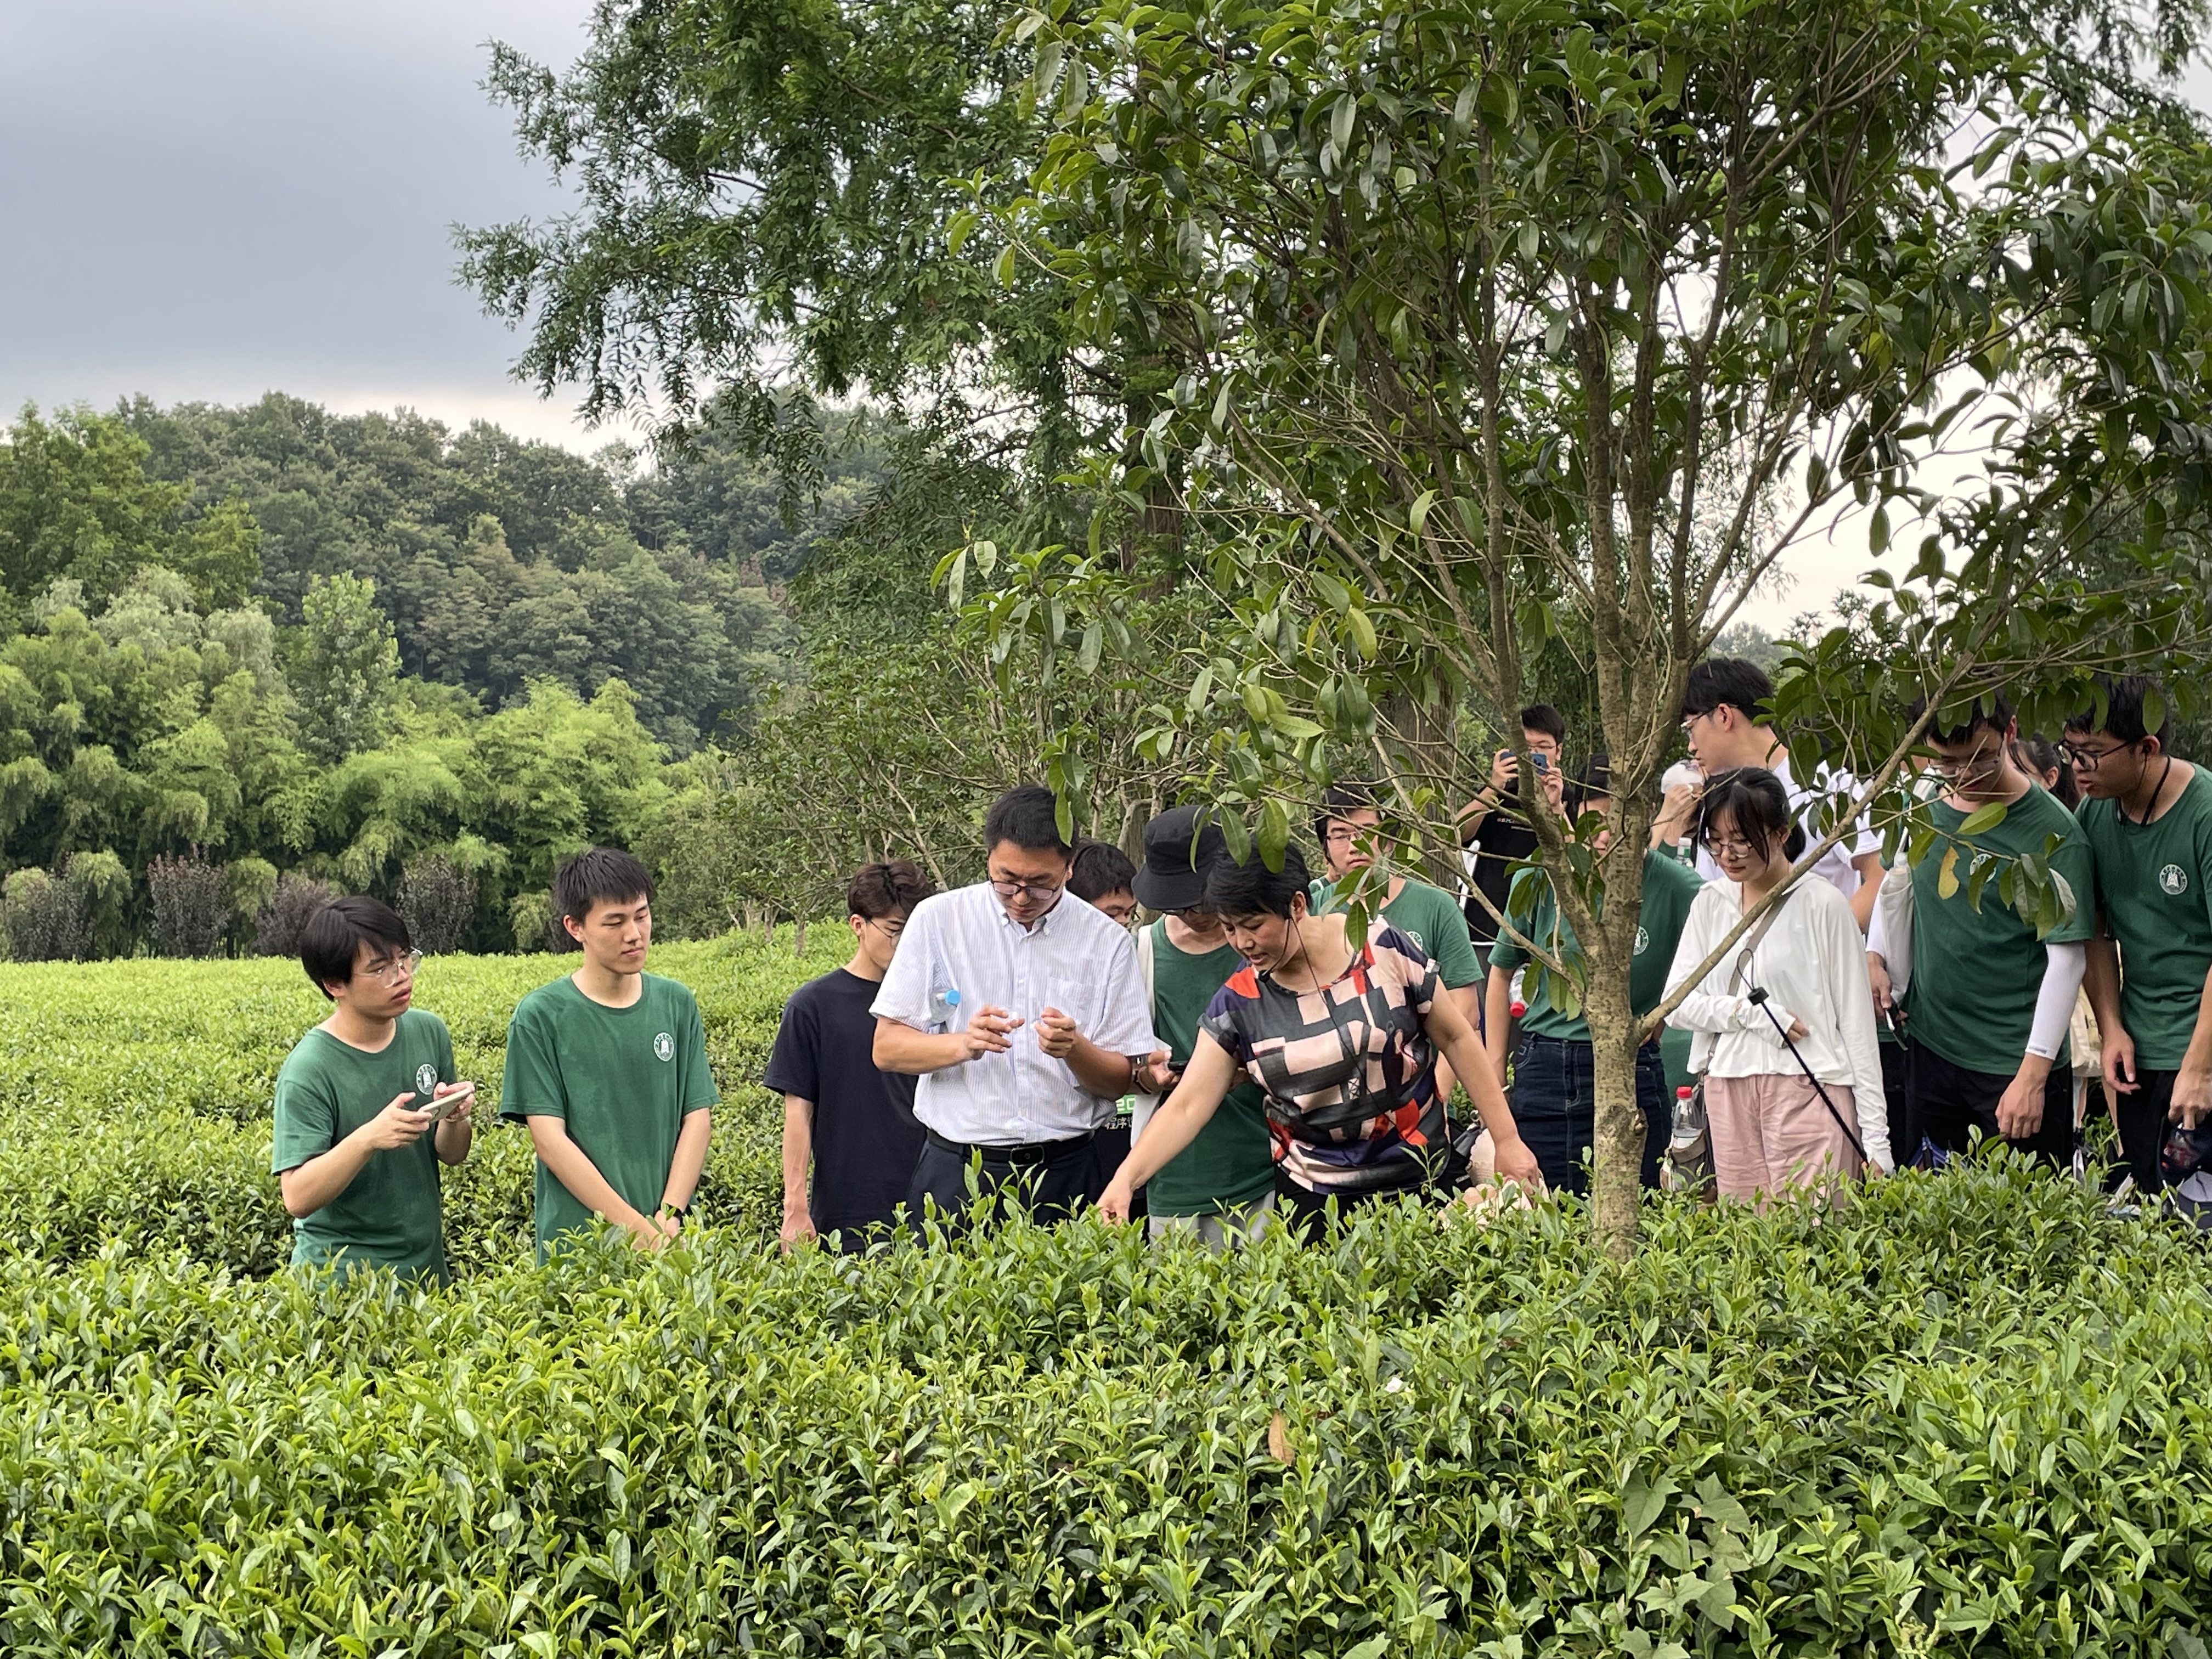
(212, 199)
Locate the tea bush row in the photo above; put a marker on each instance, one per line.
(1965, 1417)
(140, 1110)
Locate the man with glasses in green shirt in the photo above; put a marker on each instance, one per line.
(2147, 816)
(367, 1107)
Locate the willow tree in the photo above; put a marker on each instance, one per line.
(1507, 318)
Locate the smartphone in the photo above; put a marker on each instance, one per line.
(445, 1105)
(1543, 761)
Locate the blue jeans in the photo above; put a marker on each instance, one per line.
(1555, 1105)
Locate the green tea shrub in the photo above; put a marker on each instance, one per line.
(1964, 1416)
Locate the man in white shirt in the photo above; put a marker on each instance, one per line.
(1021, 1008)
(1722, 707)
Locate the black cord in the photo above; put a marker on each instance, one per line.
(1757, 998)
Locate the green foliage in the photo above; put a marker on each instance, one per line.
(1954, 1417)
(344, 663)
(77, 504)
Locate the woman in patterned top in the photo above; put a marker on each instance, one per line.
(1344, 1042)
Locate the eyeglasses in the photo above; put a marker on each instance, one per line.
(890, 926)
(1982, 760)
(398, 969)
(2088, 760)
(1037, 889)
(1718, 845)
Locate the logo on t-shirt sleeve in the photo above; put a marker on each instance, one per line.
(426, 1078)
(664, 1045)
(2174, 879)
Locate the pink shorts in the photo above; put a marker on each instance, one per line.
(1771, 1133)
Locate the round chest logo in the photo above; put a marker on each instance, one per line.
(1643, 938)
(2174, 879)
(426, 1078)
(664, 1045)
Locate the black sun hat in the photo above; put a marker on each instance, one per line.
(1173, 877)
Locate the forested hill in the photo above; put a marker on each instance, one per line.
(246, 650)
(498, 561)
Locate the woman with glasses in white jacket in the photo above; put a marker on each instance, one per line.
(1772, 1130)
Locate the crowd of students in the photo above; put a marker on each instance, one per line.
(1240, 1063)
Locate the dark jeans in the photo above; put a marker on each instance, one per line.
(1307, 1213)
(2143, 1127)
(1555, 1107)
(1955, 1106)
(1051, 1181)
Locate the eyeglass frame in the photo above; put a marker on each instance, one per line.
(407, 964)
(2088, 760)
(1041, 889)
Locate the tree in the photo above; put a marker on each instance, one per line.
(345, 663)
(1504, 319)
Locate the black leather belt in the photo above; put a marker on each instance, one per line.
(1028, 1152)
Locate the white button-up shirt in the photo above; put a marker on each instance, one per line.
(959, 952)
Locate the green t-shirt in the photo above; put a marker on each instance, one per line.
(388, 1217)
(623, 1079)
(2155, 892)
(1976, 975)
(1231, 1162)
(1427, 915)
(1669, 884)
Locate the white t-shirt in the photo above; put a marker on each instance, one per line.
(1835, 864)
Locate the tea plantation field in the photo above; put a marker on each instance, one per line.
(1969, 1415)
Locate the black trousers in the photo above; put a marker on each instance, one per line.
(1955, 1107)
(1897, 1095)
(1051, 1182)
(2143, 1127)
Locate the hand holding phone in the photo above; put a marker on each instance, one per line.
(455, 1099)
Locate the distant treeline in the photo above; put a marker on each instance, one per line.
(365, 650)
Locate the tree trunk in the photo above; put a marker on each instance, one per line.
(1617, 1160)
(1424, 733)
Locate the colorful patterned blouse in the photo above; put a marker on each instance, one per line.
(1349, 1072)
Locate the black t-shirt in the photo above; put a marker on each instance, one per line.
(1499, 838)
(867, 1142)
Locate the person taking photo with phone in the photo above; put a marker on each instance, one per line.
(367, 1107)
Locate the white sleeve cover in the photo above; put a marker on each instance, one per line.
(2054, 1004)
(1890, 934)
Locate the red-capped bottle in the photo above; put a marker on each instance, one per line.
(1518, 1009)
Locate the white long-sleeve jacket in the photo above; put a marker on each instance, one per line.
(1812, 965)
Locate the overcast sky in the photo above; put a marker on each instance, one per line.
(214, 198)
(209, 199)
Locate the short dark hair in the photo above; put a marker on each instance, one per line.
(597, 875)
(1251, 889)
(2124, 697)
(1755, 799)
(335, 933)
(1101, 868)
(1341, 801)
(1992, 711)
(890, 887)
(1027, 816)
(1542, 717)
(1729, 680)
